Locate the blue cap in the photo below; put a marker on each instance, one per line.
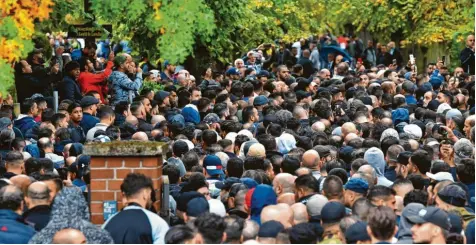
(161, 95)
(197, 206)
(184, 198)
(302, 94)
(270, 229)
(226, 185)
(432, 215)
(211, 118)
(332, 212)
(249, 182)
(436, 82)
(212, 165)
(263, 73)
(260, 100)
(89, 100)
(358, 185)
(166, 63)
(233, 71)
(357, 232)
(178, 120)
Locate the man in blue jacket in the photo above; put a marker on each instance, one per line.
(25, 121)
(89, 106)
(68, 88)
(12, 230)
(120, 84)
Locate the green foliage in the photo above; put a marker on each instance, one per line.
(6, 77)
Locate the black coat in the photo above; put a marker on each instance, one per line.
(467, 60)
(306, 63)
(38, 217)
(28, 85)
(69, 89)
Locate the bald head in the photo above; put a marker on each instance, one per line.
(69, 236)
(306, 53)
(38, 194)
(318, 127)
(300, 213)
(11, 197)
(350, 137)
(140, 136)
(310, 159)
(21, 181)
(132, 120)
(283, 183)
(281, 212)
(347, 128)
(287, 198)
(303, 171)
(70, 160)
(386, 121)
(414, 144)
(157, 119)
(370, 171)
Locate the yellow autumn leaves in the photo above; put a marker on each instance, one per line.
(23, 13)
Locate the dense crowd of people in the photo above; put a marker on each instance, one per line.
(319, 141)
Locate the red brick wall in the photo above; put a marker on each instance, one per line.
(107, 174)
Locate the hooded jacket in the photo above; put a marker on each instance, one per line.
(404, 234)
(24, 123)
(70, 210)
(374, 156)
(263, 196)
(12, 230)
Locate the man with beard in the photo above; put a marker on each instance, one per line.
(147, 227)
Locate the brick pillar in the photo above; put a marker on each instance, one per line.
(111, 162)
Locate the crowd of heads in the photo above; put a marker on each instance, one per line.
(283, 146)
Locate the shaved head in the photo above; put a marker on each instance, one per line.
(140, 136)
(132, 120)
(69, 236)
(281, 212)
(348, 128)
(318, 127)
(283, 183)
(300, 213)
(287, 198)
(38, 194)
(21, 181)
(350, 137)
(310, 159)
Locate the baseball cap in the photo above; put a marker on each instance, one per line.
(4, 123)
(78, 167)
(404, 157)
(217, 207)
(442, 108)
(453, 195)
(260, 100)
(302, 94)
(453, 113)
(432, 215)
(463, 149)
(263, 73)
(232, 71)
(358, 185)
(249, 182)
(332, 212)
(270, 229)
(161, 95)
(357, 232)
(256, 150)
(212, 165)
(197, 206)
(226, 185)
(184, 198)
(315, 204)
(89, 100)
(440, 176)
(211, 118)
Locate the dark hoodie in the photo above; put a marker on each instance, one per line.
(263, 196)
(70, 210)
(24, 123)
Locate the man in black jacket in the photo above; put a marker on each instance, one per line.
(467, 56)
(69, 88)
(38, 202)
(306, 63)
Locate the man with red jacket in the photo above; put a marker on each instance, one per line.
(90, 81)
